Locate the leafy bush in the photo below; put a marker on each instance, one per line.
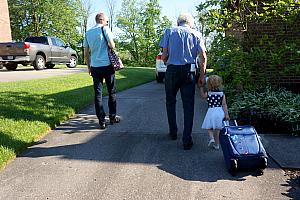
(228, 59)
(249, 60)
(271, 109)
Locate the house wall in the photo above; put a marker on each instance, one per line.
(5, 31)
(279, 33)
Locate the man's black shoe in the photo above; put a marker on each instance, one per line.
(102, 125)
(115, 119)
(187, 146)
(173, 136)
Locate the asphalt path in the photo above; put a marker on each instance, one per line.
(134, 159)
(28, 73)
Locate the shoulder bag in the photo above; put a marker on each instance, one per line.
(113, 57)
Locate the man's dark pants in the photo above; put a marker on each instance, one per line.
(106, 73)
(179, 77)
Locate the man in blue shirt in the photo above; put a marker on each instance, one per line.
(99, 67)
(181, 46)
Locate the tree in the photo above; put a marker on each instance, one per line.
(86, 11)
(128, 21)
(57, 18)
(142, 28)
(152, 30)
(111, 4)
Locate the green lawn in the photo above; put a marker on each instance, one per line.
(29, 109)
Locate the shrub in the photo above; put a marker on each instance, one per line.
(274, 110)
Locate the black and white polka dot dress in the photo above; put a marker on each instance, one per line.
(215, 113)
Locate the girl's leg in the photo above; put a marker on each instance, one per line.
(210, 133)
(216, 136)
(217, 140)
(211, 140)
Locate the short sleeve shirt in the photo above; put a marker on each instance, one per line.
(98, 46)
(183, 43)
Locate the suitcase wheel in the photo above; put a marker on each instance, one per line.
(233, 167)
(264, 163)
(260, 172)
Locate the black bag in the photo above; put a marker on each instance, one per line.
(242, 148)
(113, 57)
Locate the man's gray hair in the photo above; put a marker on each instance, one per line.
(185, 18)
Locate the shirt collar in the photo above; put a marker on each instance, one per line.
(184, 25)
(98, 25)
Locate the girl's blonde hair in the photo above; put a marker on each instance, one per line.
(214, 82)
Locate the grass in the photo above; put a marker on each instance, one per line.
(29, 109)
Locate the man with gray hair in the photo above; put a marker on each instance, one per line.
(181, 46)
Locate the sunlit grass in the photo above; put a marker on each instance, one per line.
(29, 109)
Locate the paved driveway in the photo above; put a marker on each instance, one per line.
(133, 160)
(28, 73)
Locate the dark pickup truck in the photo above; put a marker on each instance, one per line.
(39, 51)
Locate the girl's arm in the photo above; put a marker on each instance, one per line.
(202, 93)
(224, 104)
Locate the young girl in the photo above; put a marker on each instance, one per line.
(217, 109)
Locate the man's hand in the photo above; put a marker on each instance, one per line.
(87, 59)
(89, 70)
(164, 55)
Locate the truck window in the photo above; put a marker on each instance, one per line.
(39, 40)
(53, 42)
(60, 43)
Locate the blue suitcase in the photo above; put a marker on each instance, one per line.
(242, 148)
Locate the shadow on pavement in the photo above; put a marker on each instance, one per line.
(51, 109)
(136, 141)
(198, 164)
(293, 192)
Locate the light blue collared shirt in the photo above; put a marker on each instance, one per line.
(98, 46)
(183, 43)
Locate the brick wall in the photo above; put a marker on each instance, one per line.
(5, 31)
(262, 35)
(279, 33)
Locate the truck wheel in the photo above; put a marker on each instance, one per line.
(50, 66)
(11, 66)
(39, 62)
(73, 62)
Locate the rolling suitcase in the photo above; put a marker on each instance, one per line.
(242, 148)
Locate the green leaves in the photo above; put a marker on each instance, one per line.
(219, 15)
(142, 27)
(280, 104)
(57, 18)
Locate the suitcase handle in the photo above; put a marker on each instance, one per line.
(227, 123)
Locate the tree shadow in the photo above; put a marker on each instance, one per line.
(199, 164)
(51, 109)
(294, 189)
(6, 141)
(118, 145)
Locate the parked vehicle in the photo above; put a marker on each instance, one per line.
(160, 69)
(39, 51)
